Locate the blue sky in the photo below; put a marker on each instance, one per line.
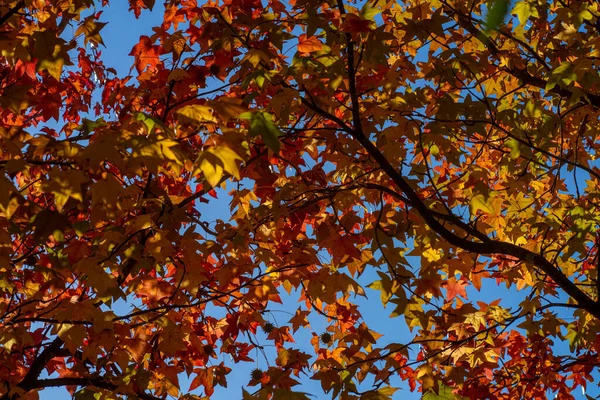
(120, 35)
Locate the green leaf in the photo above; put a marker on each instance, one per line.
(496, 14)
(261, 123)
(369, 12)
(563, 74)
(515, 151)
(88, 126)
(445, 393)
(150, 122)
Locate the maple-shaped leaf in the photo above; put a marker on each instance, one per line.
(196, 114)
(90, 28)
(51, 52)
(406, 124)
(299, 319)
(215, 161)
(261, 124)
(455, 288)
(497, 10)
(49, 223)
(15, 98)
(309, 44)
(146, 54)
(204, 378)
(444, 393)
(385, 393)
(138, 5)
(284, 394)
(228, 108)
(65, 185)
(9, 197)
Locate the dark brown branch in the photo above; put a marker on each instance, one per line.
(100, 383)
(40, 162)
(30, 379)
(12, 12)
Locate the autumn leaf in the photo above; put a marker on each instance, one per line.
(90, 29)
(444, 393)
(289, 395)
(228, 108)
(261, 124)
(15, 98)
(65, 185)
(455, 288)
(479, 202)
(137, 5)
(299, 319)
(146, 54)
(309, 44)
(215, 162)
(196, 114)
(51, 53)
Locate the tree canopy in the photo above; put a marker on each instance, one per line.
(415, 152)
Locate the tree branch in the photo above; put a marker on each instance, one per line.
(100, 383)
(30, 379)
(20, 4)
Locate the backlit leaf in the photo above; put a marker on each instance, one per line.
(261, 124)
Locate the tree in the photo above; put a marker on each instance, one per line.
(352, 140)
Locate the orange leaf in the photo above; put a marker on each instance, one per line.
(146, 54)
(455, 288)
(309, 45)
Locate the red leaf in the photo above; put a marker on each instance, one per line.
(146, 54)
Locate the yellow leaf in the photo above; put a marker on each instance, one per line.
(65, 185)
(15, 98)
(228, 157)
(31, 288)
(479, 202)
(72, 335)
(255, 57)
(95, 275)
(215, 161)
(178, 75)
(144, 221)
(90, 28)
(172, 152)
(9, 198)
(196, 114)
(51, 52)
(211, 167)
(432, 254)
